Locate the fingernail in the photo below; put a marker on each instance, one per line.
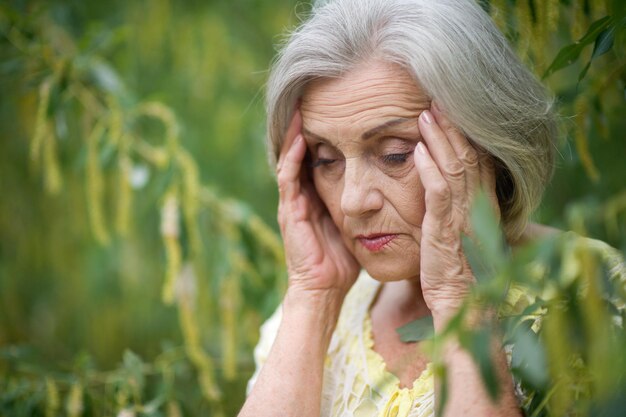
(437, 107)
(427, 116)
(421, 148)
(298, 139)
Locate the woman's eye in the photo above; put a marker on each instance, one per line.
(396, 158)
(322, 162)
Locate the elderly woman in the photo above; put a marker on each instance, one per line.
(385, 118)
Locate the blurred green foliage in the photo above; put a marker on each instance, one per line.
(138, 246)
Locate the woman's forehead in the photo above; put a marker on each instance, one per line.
(367, 97)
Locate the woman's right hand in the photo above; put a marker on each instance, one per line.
(318, 263)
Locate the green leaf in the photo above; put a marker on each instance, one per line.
(528, 357)
(486, 228)
(603, 44)
(485, 250)
(417, 330)
(443, 384)
(569, 54)
(478, 343)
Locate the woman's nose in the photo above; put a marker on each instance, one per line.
(361, 195)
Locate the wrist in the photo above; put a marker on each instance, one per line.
(315, 310)
(327, 300)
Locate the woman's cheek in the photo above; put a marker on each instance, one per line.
(330, 194)
(408, 198)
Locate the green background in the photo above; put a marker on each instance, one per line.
(79, 311)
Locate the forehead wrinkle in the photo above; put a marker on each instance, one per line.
(359, 114)
(375, 76)
(348, 98)
(356, 105)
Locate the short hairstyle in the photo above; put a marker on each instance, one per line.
(458, 56)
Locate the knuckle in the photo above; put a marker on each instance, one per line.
(282, 182)
(438, 193)
(455, 169)
(470, 158)
(451, 129)
(441, 189)
(281, 188)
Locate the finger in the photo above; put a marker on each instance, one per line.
(295, 126)
(288, 175)
(443, 155)
(465, 152)
(437, 191)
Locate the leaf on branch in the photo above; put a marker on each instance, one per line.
(485, 249)
(478, 343)
(603, 44)
(417, 330)
(528, 356)
(569, 54)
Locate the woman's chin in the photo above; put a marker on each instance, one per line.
(396, 261)
(385, 270)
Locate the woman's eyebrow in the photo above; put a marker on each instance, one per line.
(376, 130)
(366, 135)
(313, 136)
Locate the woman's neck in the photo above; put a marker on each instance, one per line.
(400, 301)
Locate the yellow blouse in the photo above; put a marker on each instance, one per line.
(356, 381)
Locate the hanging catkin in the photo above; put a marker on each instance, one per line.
(170, 232)
(595, 318)
(597, 9)
(581, 110)
(578, 19)
(124, 194)
(167, 117)
(42, 126)
(53, 402)
(122, 141)
(558, 349)
(52, 170)
(74, 405)
(539, 39)
(173, 409)
(524, 28)
(229, 308)
(552, 15)
(499, 13)
(116, 121)
(267, 237)
(186, 296)
(94, 183)
(190, 199)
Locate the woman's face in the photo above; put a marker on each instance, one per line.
(361, 131)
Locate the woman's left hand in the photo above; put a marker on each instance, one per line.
(451, 172)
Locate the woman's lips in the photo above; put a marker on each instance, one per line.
(375, 243)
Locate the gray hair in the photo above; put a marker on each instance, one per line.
(458, 56)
